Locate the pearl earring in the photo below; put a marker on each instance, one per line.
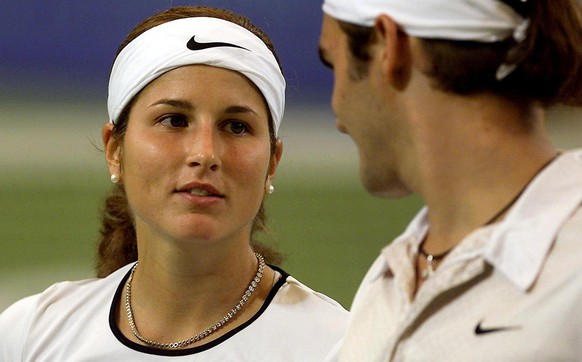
(271, 189)
(114, 178)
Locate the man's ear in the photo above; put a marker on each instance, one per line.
(396, 59)
(112, 150)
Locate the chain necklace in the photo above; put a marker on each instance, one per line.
(433, 259)
(221, 323)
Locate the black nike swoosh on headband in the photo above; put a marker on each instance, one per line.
(194, 45)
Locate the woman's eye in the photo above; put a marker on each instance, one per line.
(237, 127)
(174, 121)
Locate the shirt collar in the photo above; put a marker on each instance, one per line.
(520, 243)
(411, 238)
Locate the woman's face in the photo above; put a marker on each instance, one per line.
(195, 159)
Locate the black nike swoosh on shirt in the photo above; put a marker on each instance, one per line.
(479, 330)
(194, 45)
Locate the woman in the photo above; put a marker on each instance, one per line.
(453, 94)
(196, 98)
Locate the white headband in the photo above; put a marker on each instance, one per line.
(195, 40)
(472, 20)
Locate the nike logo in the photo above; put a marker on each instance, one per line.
(479, 330)
(194, 45)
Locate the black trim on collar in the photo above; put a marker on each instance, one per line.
(188, 351)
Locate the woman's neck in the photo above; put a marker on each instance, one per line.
(174, 297)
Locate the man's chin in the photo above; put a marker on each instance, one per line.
(388, 189)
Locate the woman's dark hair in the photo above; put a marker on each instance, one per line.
(548, 62)
(117, 242)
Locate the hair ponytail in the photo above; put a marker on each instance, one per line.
(117, 243)
(548, 63)
(553, 64)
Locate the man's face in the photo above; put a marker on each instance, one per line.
(362, 111)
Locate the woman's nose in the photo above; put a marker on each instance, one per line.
(203, 149)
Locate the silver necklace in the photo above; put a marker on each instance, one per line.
(431, 260)
(174, 345)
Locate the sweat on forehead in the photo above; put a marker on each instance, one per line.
(196, 40)
(471, 20)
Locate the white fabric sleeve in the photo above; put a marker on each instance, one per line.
(14, 325)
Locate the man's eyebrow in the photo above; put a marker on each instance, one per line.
(323, 58)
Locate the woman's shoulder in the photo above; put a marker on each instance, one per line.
(24, 308)
(294, 289)
(60, 310)
(306, 323)
(294, 295)
(66, 295)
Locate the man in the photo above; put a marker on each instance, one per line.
(446, 99)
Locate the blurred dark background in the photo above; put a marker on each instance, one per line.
(68, 46)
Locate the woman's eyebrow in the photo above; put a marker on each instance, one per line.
(178, 103)
(187, 106)
(239, 109)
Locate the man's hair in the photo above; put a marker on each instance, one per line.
(548, 62)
